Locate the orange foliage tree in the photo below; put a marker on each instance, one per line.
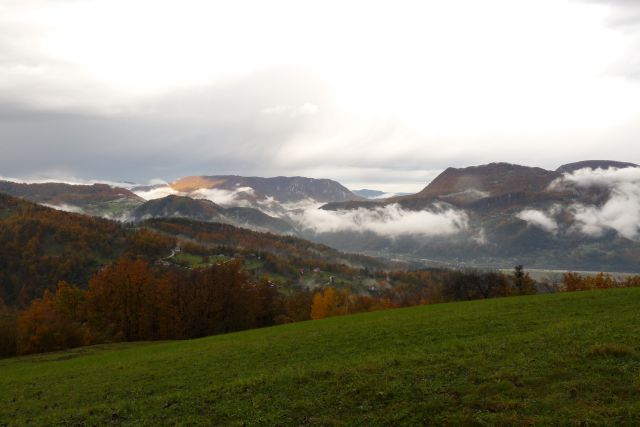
(127, 301)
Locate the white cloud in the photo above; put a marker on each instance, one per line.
(306, 109)
(587, 177)
(389, 221)
(64, 179)
(237, 197)
(157, 193)
(539, 219)
(621, 212)
(65, 207)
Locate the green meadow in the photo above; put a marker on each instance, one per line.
(562, 359)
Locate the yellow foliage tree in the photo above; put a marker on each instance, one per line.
(328, 303)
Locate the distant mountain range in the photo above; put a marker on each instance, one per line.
(575, 217)
(583, 215)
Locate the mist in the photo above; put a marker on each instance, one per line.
(388, 221)
(540, 219)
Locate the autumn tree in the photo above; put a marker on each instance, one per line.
(127, 301)
(215, 300)
(573, 282)
(329, 302)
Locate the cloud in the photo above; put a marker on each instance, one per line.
(65, 207)
(623, 13)
(388, 221)
(603, 178)
(65, 179)
(539, 219)
(306, 109)
(237, 197)
(621, 211)
(156, 193)
(285, 95)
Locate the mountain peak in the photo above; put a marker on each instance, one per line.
(475, 182)
(595, 164)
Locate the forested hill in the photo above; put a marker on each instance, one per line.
(41, 246)
(209, 233)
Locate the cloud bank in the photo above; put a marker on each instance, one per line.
(388, 221)
(620, 212)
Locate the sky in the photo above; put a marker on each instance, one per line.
(374, 94)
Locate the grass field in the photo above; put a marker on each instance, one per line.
(564, 359)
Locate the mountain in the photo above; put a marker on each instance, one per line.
(499, 215)
(466, 186)
(97, 199)
(281, 189)
(595, 164)
(205, 210)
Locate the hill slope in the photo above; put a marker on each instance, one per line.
(96, 199)
(173, 206)
(554, 360)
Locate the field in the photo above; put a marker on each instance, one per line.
(563, 359)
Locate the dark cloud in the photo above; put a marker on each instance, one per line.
(217, 129)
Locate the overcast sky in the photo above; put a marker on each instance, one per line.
(378, 94)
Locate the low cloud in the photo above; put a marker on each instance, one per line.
(539, 219)
(237, 197)
(156, 193)
(61, 179)
(621, 211)
(388, 221)
(65, 207)
(603, 178)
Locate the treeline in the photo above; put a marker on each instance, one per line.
(575, 282)
(409, 288)
(132, 301)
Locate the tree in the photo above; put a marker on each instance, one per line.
(327, 303)
(127, 301)
(8, 319)
(523, 283)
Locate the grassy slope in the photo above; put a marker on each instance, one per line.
(552, 359)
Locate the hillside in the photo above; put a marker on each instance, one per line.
(41, 246)
(96, 199)
(173, 206)
(289, 249)
(551, 360)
